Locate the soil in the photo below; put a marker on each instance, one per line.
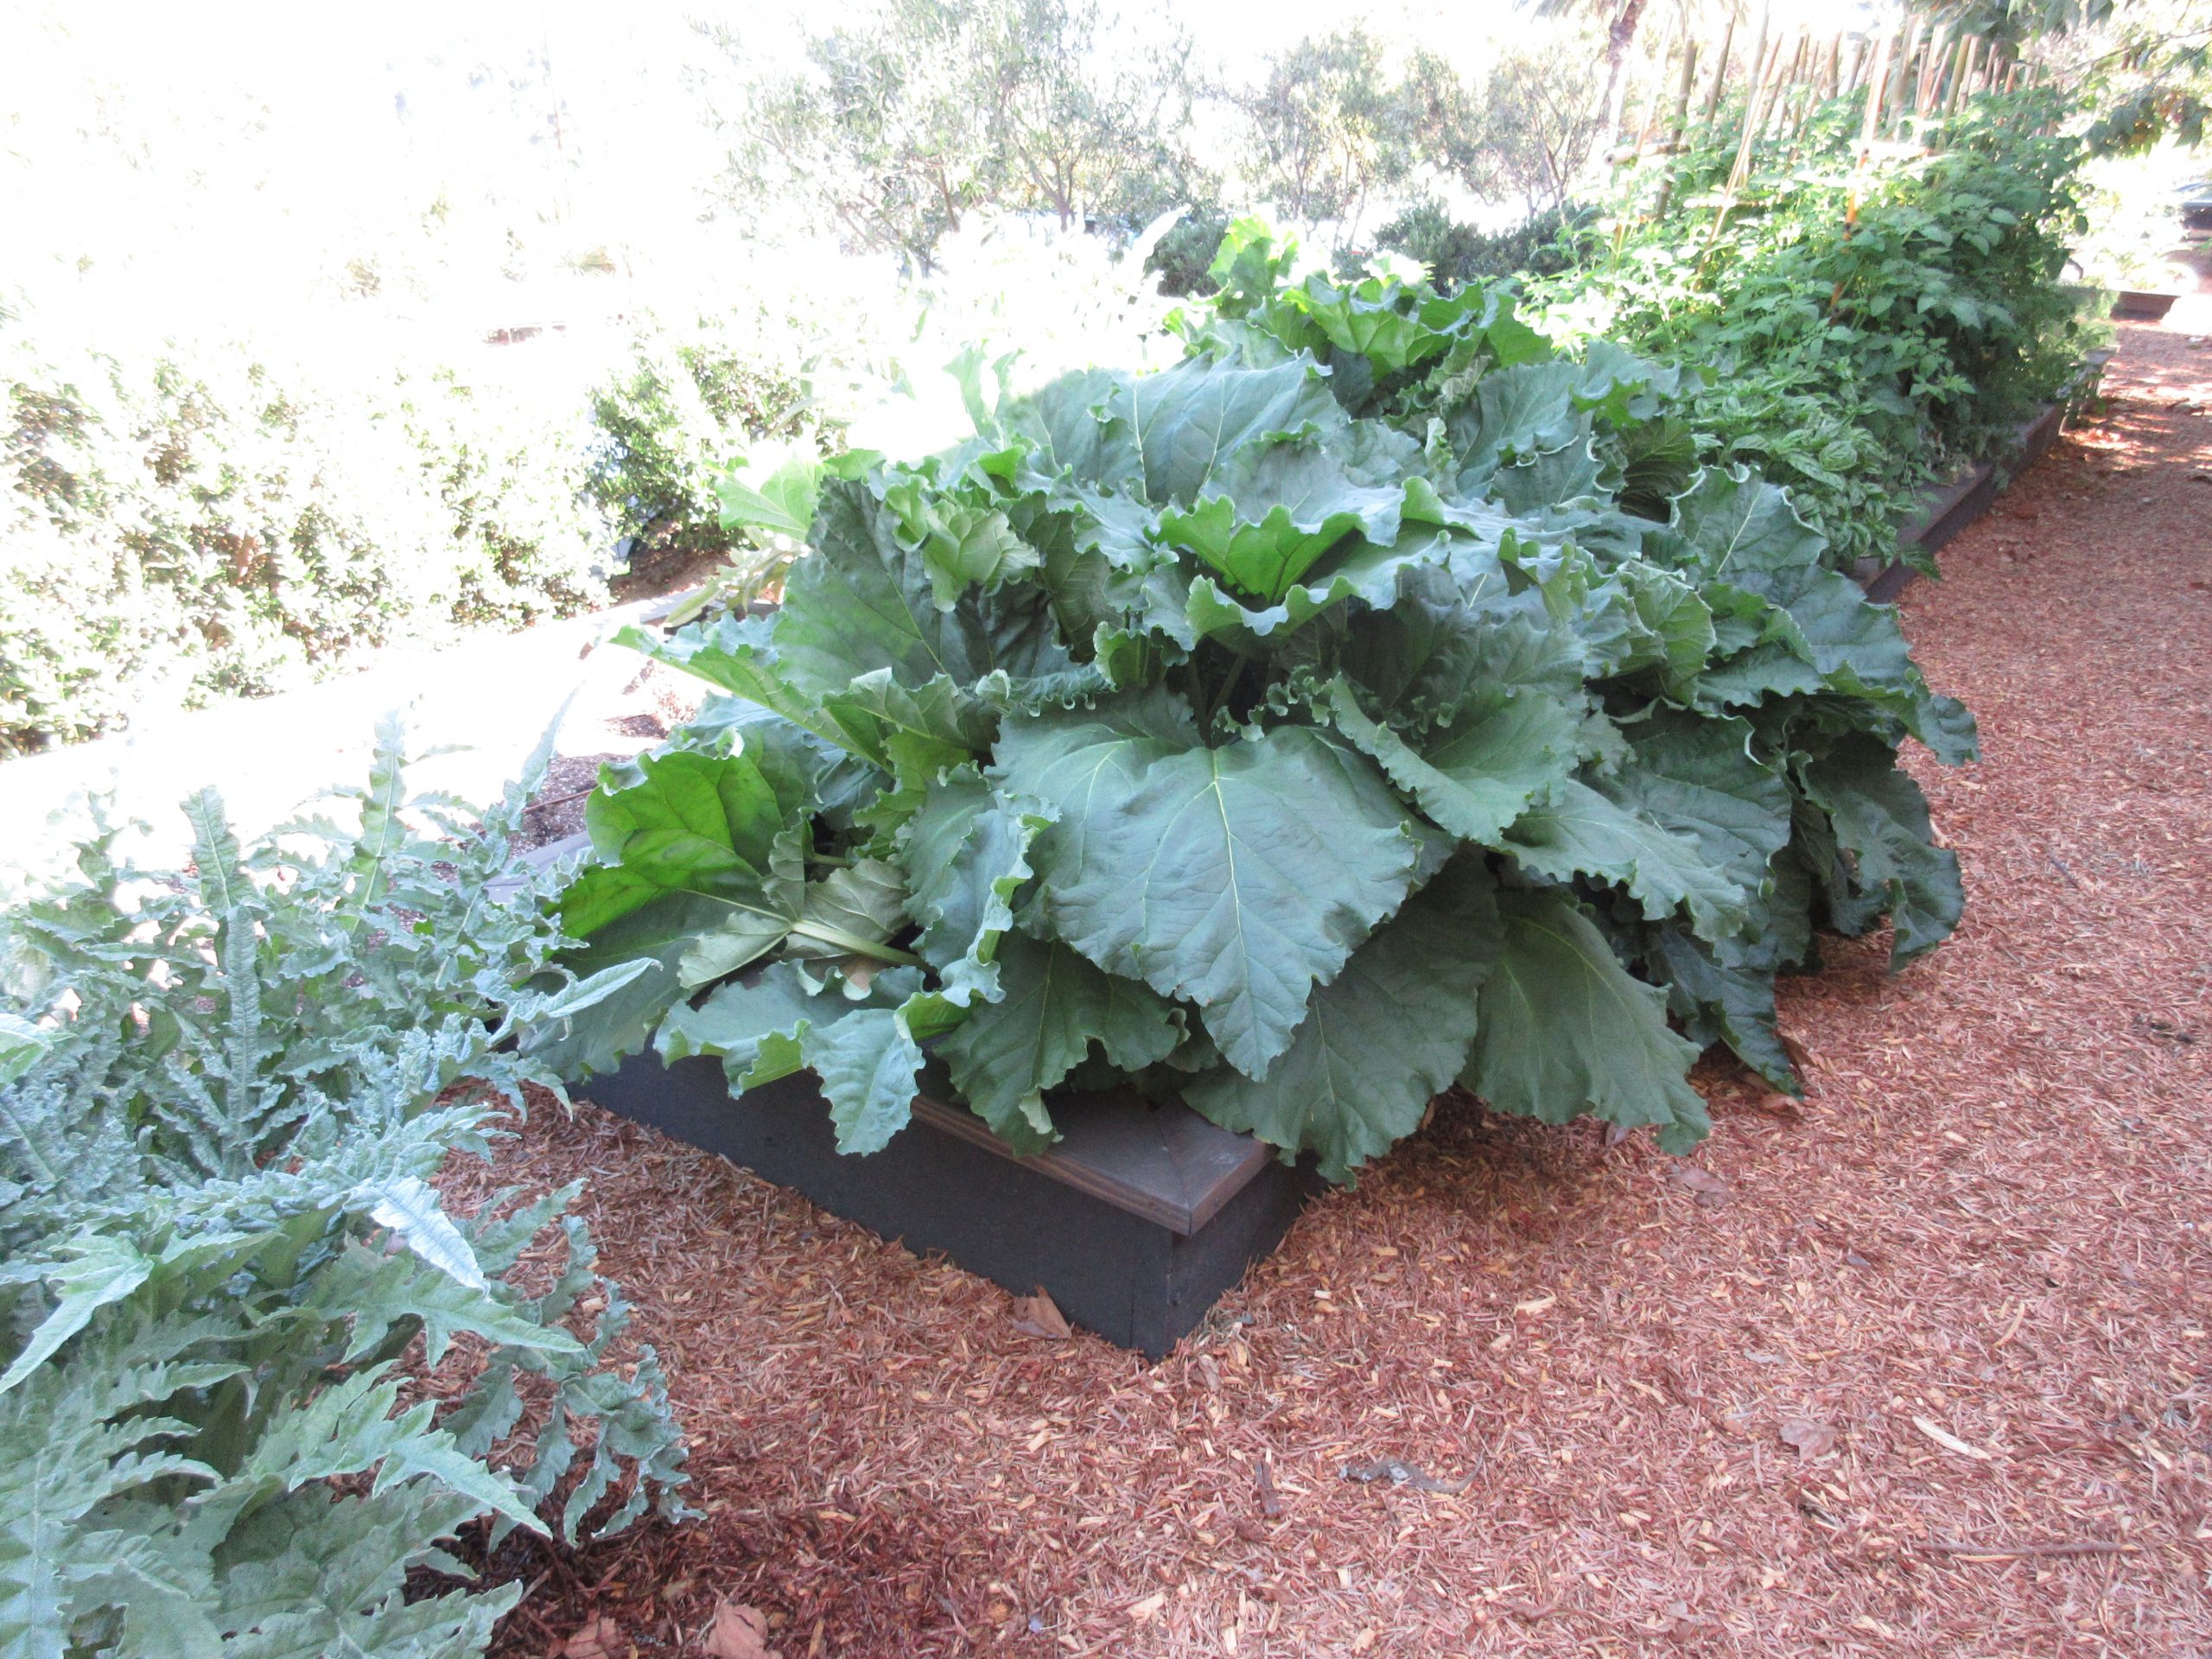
(1921, 1366)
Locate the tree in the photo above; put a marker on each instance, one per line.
(1544, 115)
(1087, 123)
(883, 131)
(904, 121)
(1326, 128)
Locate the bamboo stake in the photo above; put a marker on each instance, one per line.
(1790, 83)
(1719, 72)
(1932, 71)
(1901, 79)
(1682, 91)
(1652, 105)
(1833, 82)
(1754, 115)
(1759, 40)
(1972, 83)
(1870, 123)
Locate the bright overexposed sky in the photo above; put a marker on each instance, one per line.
(226, 157)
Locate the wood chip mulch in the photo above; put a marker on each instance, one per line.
(1919, 1368)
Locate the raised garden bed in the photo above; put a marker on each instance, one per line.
(1949, 508)
(2140, 305)
(1135, 1223)
(1139, 1218)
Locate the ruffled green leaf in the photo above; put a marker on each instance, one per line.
(967, 854)
(1884, 848)
(1006, 1054)
(1381, 1039)
(1565, 1030)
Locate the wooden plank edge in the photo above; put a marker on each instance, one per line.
(1180, 1217)
(1101, 1182)
(1947, 509)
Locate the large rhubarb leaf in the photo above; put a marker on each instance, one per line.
(693, 851)
(959, 546)
(700, 847)
(1525, 411)
(1699, 777)
(1885, 851)
(595, 1039)
(1005, 1055)
(856, 1041)
(1725, 994)
(967, 853)
(1479, 773)
(1236, 878)
(1580, 830)
(1800, 626)
(1476, 713)
(1388, 1034)
(1564, 1029)
(1688, 818)
(1185, 423)
(1642, 617)
(862, 601)
(1295, 507)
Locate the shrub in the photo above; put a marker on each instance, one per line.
(1376, 698)
(196, 523)
(669, 420)
(1456, 253)
(1859, 334)
(224, 1094)
(1181, 257)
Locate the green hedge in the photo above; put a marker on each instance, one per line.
(201, 522)
(1457, 252)
(197, 523)
(667, 420)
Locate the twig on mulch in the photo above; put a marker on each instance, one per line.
(2011, 1552)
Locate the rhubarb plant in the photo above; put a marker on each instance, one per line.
(1378, 699)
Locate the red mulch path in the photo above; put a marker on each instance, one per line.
(1970, 1277)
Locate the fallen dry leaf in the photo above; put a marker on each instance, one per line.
(737, 1632)
(1270, 1503)
(1948, 1440)
(1807, 1437)
(600, 1638)
(1040, 1316)
(1705, 1187)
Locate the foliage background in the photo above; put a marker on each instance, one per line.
(256, 423)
